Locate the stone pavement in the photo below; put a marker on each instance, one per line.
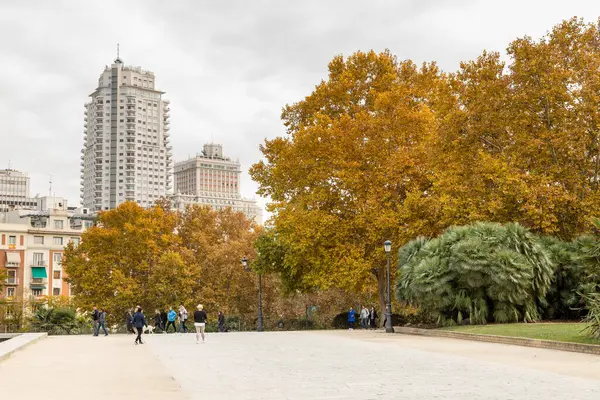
(358, 365)
(84, 367)
(294, 365)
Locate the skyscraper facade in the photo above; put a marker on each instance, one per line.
(211, 179)
(127, 153)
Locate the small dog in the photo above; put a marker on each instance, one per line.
(149, 330)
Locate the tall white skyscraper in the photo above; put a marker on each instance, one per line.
(126, 154)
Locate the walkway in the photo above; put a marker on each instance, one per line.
(72, 367)
(295, 365)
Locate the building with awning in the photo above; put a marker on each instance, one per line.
(13, 259)
(32, 244)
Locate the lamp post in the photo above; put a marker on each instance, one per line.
(388, 312)
(259, 327)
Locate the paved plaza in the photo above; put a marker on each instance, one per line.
(294, 365)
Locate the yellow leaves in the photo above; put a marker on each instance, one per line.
(388, 150)
(157, 258)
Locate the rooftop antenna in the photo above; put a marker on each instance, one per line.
(9, 164)
(118, 59)
(50, 189)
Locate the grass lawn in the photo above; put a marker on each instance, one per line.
(563, 332)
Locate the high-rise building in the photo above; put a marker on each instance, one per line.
(126, 154)
(14, 190)
(213, 180)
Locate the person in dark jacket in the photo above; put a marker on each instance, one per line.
(129, 321)
(139, 322)
(200, 318)
(102, 322)
(221, 320)
(95, 315)
(163, 318)
(157, 320)
(373, 317)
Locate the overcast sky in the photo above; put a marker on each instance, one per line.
(228, 67)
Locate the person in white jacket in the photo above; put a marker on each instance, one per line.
(183, 317)
(364, 317)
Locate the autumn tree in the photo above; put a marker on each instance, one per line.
(519, 141)
(349, 174)
(128, 260)
(383, 149)
(216, 242)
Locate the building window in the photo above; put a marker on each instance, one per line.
(57, 241)
(56, 291)
(36, 292)
(58, 224)
(38, 240)
(38, 259)
(57, 259)
(56, 274)
(75, 240)
(12, 240)
(10, 292)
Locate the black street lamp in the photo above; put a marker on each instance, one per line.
(259, 327)
(388, 311)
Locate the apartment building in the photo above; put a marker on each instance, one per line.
(211, 179)
(14, 190)
(126, 154)
(32, 242)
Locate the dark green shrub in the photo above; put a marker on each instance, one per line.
(481, 272)
(592, 319)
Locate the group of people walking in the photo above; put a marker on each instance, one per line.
(163, 320)
(368, 318)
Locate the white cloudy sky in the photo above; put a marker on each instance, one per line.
(228, 66)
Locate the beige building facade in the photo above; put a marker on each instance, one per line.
(14, 190)
(32, 243)
(213, 180)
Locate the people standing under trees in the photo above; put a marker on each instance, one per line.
(221, 321)
(171, 317)
(101, 322)
(351, 318)
(129, 321)
(373, 317)
(183, 317)
(95, 313)
(200, 318)
(139, 322)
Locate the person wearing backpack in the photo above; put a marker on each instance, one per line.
(171, 317)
